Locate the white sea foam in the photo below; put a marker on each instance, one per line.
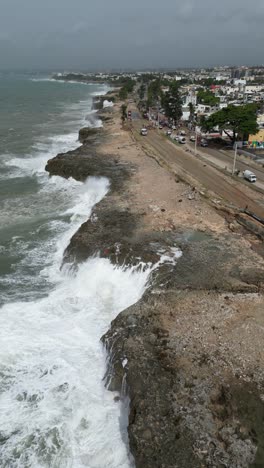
(55, 411)
(107, 103)
(53, 80)
(102, 92)
(43, 150)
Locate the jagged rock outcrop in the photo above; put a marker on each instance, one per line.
(194, 400)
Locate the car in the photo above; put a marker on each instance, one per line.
(169, 132)
(144, 132)
(192, 138)
(182, 133)
(160, 127)
(182, 140)
(176, 138)
(204, 144)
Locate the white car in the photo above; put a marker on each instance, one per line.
(169, 132)
(182, 140)
(144, 132)
(192, 138)
(176, 138)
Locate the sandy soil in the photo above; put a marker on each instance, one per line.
(165, 200)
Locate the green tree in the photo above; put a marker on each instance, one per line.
(123, 113)
(123, 93)
(127, 87)
(154, 92)
(141, 91)
(207, 98)
(172, 103)
(241, 120)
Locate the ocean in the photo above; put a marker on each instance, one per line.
(54, 409)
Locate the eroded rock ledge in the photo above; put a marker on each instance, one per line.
(190, 356)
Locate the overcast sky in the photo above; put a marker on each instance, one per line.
(102, 34)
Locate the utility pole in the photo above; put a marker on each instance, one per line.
(235, 156)
(195, 145)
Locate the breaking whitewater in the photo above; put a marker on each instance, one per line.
(55, 410)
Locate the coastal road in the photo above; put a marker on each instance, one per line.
(212, 179)
(224, 159)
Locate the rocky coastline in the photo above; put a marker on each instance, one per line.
(192, 346)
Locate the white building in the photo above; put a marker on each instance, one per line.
(191, 98)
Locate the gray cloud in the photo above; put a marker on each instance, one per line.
(86, 34)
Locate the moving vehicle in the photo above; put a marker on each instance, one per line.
(250, 176)
(144, 131)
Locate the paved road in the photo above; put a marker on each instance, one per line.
(208, 176)
(226, 158)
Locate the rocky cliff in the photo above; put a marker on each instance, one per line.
(185, 352)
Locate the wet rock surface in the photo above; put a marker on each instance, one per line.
(85, 161)
(196, 397)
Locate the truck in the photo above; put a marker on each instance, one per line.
(250, 176)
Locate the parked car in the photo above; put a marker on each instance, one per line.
(182, 133)
(160, 127)
(204, 143)
(176, 138)
(192, 138)
(182, 140)
(169, 132)
(144, 131)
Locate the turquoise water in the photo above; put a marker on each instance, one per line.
(38, 119)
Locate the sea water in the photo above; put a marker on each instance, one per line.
(54, 409)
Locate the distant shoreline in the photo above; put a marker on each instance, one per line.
(76, 78)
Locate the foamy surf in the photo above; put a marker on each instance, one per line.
(55, 411)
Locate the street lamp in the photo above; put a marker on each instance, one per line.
(195, 145)
(235, 156)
